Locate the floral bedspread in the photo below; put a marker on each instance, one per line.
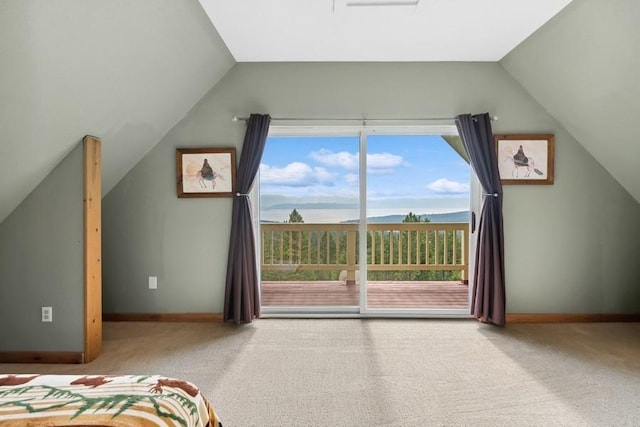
(90, 400)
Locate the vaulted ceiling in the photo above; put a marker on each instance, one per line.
(123, 70)
(128, 71)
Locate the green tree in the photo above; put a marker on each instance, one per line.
(411, 217)
(293, 240)
(413, 237)
(295, 216)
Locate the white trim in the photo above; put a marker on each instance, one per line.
(315, 130)
(475, 201)
(362, 311)
(362, 226)
(418, 312)
(254, 203)
(354, 130)
(412, 130)
(295, 311)
(351, 312)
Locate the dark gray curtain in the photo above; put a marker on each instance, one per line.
(242, 296)
(488, 302)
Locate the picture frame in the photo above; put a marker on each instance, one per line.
(205, 172)
(526, 158)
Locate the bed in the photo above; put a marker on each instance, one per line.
(102, 400)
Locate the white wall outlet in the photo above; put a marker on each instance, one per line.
(153, 282)
(47, 314)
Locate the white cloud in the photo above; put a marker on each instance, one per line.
(350, 161)
(383, 161)
(323, 176)
(341, 159)
(444, 186)
(351, 178)
(296, 174)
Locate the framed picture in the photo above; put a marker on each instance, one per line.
(525, 159)
(206, 172)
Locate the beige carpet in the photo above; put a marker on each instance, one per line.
(349, 372)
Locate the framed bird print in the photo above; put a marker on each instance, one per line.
(206, 172)
(525, 159)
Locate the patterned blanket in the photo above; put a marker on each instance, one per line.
(92, 400)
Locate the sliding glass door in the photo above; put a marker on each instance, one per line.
(363, 222)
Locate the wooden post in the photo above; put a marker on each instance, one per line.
(351, 257)
(465, 255)
(92, 201)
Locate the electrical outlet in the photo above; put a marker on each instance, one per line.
(153, 282)
(47, 314)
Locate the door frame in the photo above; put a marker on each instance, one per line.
(362, 311)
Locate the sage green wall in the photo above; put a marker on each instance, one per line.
(124, 70)
(571, 247)
(583, 68)
(41, 264)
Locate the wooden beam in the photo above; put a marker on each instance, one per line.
(92, 199)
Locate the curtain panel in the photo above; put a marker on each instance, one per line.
(488, 303)
(242, 292)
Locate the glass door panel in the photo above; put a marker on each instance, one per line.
(417, 217)
(309, 218)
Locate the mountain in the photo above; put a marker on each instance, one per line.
(462, 216)
(322, 205)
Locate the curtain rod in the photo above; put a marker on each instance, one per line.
(363, 120)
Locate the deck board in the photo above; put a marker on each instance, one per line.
(385, 294)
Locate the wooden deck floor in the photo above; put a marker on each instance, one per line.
(437, 295)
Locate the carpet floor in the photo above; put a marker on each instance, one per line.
(382, 372)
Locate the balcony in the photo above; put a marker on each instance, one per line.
(409, 265)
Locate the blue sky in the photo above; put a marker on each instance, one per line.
(400, 167)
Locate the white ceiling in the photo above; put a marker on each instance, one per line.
(331, 30)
